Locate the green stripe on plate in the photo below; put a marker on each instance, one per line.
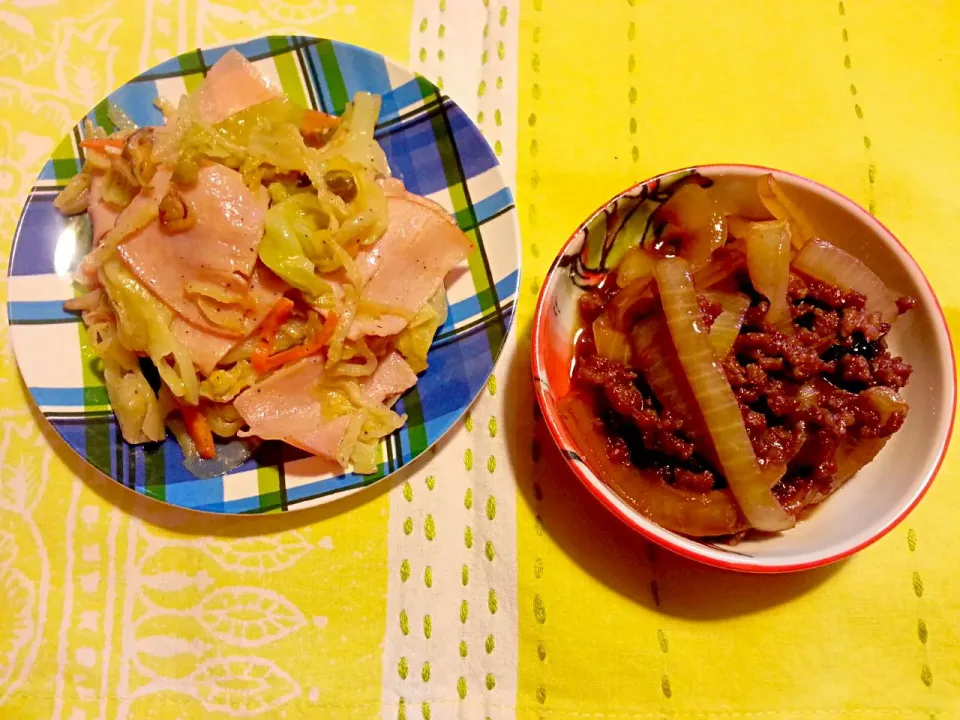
(155, 470)
(194, 69)
(466, 217)
(64, 160)
(97, 434)
(268, 484)
(287, 70)
(416, 431)
(103, 120)
(331, 73)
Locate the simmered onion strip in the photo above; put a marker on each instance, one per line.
(700, 220)
(828, 263)
(724, 331)
(768, 263)
(853, 455)
(636, 263)
(783, 208)
(632, 301)
(696, 514)
(717, 402)
(611, 343)
(655, 357)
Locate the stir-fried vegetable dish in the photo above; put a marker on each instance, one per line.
(256, 274)
(732, 371)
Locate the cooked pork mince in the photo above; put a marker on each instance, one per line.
(731, 380)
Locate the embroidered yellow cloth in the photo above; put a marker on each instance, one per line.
(543, 606)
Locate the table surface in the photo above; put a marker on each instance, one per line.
(486, 583)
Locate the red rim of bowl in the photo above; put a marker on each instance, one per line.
(563, 440)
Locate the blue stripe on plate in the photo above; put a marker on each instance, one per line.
(58, 397)
(136, 100)
(167, 67)
(240, 505)
(470, 307)
(490, 206)
(41, 226)
(475, 154)
(206, 494)
(395, 101)
(361, 70)
(318, 79)
(39, 311)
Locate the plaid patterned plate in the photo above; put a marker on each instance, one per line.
(430, 143)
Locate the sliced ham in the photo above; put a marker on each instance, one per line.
(206, 348)
(393, 187)
(221, 248)
(418, 249)
(233, 84)
(283, 406)
(103, 216)
(392, 378)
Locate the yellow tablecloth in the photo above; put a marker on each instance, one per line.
(113, 606)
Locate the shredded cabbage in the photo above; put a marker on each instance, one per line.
(370, 421)
(131, 397)
(224, 384)
(281, 248)
(143, 324)
(414, 341)
(134, 403)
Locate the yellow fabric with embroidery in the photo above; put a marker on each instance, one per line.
(115, 606)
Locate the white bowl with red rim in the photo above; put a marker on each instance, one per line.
(878, 497)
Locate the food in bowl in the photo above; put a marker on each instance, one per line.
(256, 274)
(732, 369)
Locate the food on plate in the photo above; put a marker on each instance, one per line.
(256, 274)
(733, 371)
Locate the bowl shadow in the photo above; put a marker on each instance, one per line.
(610, 551)
(186, 521)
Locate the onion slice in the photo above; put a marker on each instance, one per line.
(636, 263)
(783, 208)
(611, 343)
(655, 357)
(852, 456)
(828, 263)
(697, 215)
(634, 300)
(721, 413)
(709, 514)
(725, 264)
(726, 328)
(768, 264)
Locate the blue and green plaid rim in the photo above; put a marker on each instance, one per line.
(430, 144)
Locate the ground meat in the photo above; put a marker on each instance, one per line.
(856, 369)
(660, 431)
(591, 305)
(800, 391)
(890, 371)
(690, 480)
(906, 304)
(709, 310)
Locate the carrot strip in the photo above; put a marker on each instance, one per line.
(199, 430)
(268, 333)
(311, 347)
(101, 143)
(315, 121)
